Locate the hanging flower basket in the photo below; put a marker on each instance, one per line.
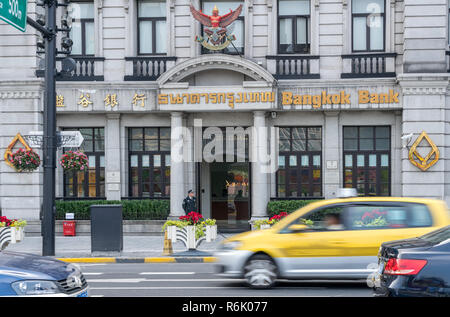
(74, 161)
(25, 160)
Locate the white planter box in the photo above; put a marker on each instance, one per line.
(172, 233)
(10, 235)
(211, 233)
(20, 234)
(262, 227)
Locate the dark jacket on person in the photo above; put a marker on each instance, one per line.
(189, 204)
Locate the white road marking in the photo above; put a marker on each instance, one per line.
(139, 280)
(92, 273)
(191, 287)
(97, 296)
(166, 273)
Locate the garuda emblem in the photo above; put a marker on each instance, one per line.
(218, 36)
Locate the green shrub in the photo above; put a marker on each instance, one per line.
(274, 207)
(145, 209)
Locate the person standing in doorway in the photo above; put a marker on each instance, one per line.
(190, 203)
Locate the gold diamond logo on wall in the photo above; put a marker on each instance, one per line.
(430, 159)
(8, 152)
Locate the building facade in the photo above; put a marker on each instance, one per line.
(312, 96)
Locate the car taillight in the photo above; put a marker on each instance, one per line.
(403, 266)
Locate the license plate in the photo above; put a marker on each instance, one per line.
(83, 294)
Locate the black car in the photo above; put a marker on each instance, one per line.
(415, 267)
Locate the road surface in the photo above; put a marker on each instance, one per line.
(198, 279)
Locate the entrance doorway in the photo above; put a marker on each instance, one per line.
(230, 195)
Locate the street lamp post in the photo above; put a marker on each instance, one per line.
(49, 145)
(50, 141)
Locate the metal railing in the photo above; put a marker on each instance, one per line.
(148, 68)
(368, 65)
(87, 68)
(294, 67)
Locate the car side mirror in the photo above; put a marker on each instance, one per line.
(297, 228)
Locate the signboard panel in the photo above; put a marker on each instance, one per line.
(14, 12)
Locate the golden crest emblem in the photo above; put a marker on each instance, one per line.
(8, 152)
(423, 162)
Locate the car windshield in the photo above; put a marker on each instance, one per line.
(437, 236)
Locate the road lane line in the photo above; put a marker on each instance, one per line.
(139, 280)
(92, 273)
(168, 273)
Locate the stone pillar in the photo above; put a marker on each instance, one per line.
(177, 175)
(112, 157)
(331, 155)
(424, 98)
(260, 185)
(425, 36)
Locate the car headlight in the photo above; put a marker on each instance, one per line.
(35, 287)
(232, 245)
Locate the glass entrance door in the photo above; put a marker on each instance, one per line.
(230, 195)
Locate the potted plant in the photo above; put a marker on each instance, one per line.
(190, 229)
(25, 160)
(74, 161)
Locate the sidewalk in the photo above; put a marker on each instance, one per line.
(134, 247)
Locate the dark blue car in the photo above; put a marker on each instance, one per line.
(31, 275)
(415, 267)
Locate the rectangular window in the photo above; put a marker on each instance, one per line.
(152, 32)
(237, 28)
(293, 26)
(300, 162)
(368, 25)
(82, 33)
(149, 162)
(89, 183)
(367, 158)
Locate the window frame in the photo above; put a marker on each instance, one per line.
(83, 32)
(366, 154)
(226, 50)
(163, 166)
(294, 31)
(153, 20)
(98, 169)
(298, 168)
(366, 15)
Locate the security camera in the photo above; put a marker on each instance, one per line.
(407, 139)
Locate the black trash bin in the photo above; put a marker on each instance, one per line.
(106, 228)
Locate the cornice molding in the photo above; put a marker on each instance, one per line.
(20, 94)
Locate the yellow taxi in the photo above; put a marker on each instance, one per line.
(328, 239)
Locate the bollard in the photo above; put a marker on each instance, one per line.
(167, 245)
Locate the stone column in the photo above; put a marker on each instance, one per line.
(260, 185)
(425, 36)
(177, 190)
(331, 166)
(112, 157)
(424, 109)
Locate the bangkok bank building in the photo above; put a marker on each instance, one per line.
(273, 100)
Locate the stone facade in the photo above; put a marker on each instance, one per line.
(416, 44)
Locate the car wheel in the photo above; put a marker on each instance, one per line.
(260, 272)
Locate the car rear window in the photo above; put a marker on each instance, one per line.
(388, 216)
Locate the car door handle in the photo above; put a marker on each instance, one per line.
(337, 242)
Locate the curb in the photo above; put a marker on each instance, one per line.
(196, 259)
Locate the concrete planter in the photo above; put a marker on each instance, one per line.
(211, 233)
(10, 235)
(262, 227)
(187, 235)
